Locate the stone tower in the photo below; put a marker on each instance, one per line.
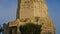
(31, 9)
(35, 11)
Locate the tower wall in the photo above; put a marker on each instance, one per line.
(29, 10)
(32, 8)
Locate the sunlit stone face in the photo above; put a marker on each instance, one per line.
(26, 9)
(33, 8)
(40, 9)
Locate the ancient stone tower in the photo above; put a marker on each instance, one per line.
(35, 11)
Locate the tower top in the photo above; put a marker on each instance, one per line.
(31, 9)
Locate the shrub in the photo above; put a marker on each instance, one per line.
(30, 28)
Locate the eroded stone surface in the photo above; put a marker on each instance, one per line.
(32, 11)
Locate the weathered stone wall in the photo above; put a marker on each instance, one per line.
(32, 8)
(34, 11)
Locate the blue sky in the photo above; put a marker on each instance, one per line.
(8, 10)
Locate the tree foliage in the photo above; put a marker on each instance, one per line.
(1, 29)
(30, 28)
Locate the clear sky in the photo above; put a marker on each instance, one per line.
(8, 10)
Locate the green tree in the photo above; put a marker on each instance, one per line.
(1, 29)
(30, 28)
